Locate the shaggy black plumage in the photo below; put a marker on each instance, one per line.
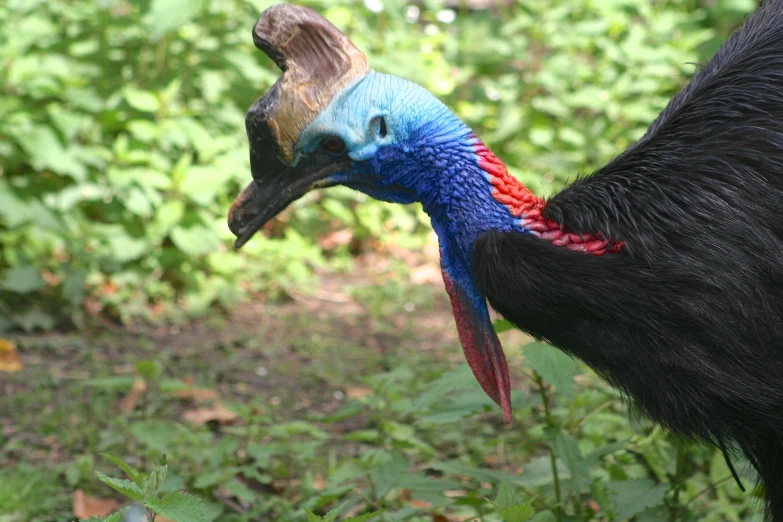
(687, 319)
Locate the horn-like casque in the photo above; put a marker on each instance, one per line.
(317, 60)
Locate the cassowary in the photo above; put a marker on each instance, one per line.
(663, 270)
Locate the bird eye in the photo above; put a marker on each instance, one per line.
(379, 122)
(333, 145)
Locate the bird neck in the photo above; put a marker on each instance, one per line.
(467, 190)
(477, 194)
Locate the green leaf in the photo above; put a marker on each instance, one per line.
(510, 507)
(34, 319)
(178, 507)
(167, 15)
(387, 474)
(634, 496)
(23, 280)
(125, 248)
(117, 516)
(154, 480)
(143, 101)
(502, 325)
(126, 487)
(332, 515)
(566, 447)
(46, 151)
(116, 383)
(553, 365)
(544, 516)
(195, 240)
(135, 475)
(150, 370)
(365, 517)
(312, 517)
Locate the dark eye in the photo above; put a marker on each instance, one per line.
(380, 126)
(333, 145)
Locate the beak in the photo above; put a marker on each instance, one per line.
(318, 62)
(276, 187)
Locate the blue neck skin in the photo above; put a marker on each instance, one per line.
(439, 168)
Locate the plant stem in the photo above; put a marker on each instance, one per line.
(708, 488)
(679, 477)
(553, 460)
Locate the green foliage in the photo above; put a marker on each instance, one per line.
(510, 507)
(27, 493)
(415, 443)
(332, 515)
(123, 144)
(176, 506)
(117, 516)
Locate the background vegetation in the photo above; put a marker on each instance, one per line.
(122, 144)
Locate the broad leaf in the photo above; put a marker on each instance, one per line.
(365, 517)
(167, 15)
(566, 448)
(135, 475)
(178, 507)
(510, 507)
(126, 487)
(22, 280)
(634, 496)
(553, 365)
(502, 325)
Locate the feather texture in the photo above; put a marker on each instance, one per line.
(687, 318)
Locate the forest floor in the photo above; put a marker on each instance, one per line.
(354, 391)
(120, 389)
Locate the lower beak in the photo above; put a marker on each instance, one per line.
(251, 210)
(267, 196)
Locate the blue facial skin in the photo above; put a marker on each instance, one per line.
(424, 153)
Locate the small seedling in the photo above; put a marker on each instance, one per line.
(143, 488)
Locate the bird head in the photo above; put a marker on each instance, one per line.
(330, 120)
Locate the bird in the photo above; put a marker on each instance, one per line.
(662, 270)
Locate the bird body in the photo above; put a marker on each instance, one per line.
(663, 270)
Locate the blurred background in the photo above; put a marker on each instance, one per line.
(319, 367)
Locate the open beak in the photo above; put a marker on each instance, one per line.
(318, 62)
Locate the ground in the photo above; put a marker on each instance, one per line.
(354, 390)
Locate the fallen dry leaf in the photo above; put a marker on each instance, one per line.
(217, 413)
(335, 239)
(358, 392)
(405, 496)
(197, 394)
(129, 402)
(318, 481)
(9, 357)
(86, 506)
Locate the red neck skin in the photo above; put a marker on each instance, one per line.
(528, 207)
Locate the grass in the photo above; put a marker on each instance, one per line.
(347, 395)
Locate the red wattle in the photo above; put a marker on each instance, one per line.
(522, 203)
(481, 346)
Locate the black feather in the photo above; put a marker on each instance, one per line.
(687, 319)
